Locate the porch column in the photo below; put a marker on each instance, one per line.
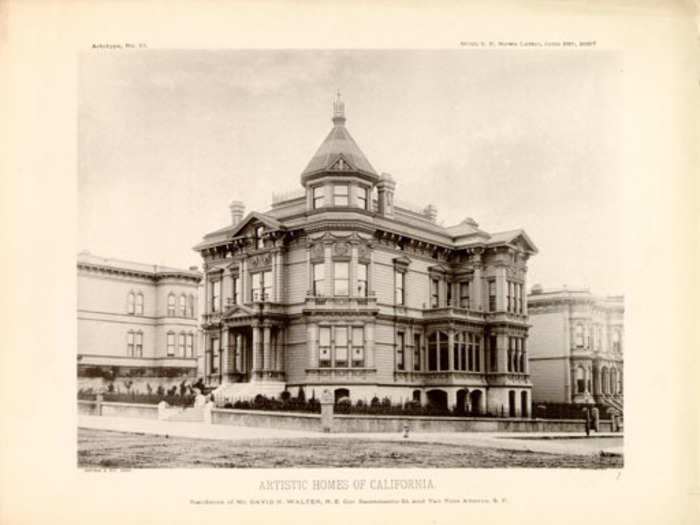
(279, 277)
(279, 349)
(257, 350)
(225, 356)
(267, 357)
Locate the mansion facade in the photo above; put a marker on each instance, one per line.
(339, 287)
(576, 347)
(136, 320)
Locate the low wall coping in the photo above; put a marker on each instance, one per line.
(87, 402)
(136, 405)
(265, 412)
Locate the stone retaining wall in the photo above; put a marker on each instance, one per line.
(352, 423)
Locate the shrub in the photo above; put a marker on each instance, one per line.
(285, 395)
(301, 396)
(374, 402)
(360, 403)
(161, 390)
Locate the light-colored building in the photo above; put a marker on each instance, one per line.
(576, 346)
(136, 320)
(339, 286)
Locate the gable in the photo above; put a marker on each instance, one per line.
(251, 221)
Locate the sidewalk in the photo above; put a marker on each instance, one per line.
(553, 443)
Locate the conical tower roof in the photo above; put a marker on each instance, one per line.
(339, 151)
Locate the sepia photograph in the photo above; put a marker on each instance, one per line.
(368, 258)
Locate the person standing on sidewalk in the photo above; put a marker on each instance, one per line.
(587, 420)
(596, 418)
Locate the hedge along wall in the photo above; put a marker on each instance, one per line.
(130, 410)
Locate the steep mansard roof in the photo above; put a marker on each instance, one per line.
(339, 143)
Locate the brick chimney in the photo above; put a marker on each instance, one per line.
(385, 195)
(237, 210)
(430, 212)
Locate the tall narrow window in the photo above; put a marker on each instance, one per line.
(416, 352)
(319, 196)
(130, 344)
(362, 280)
(189, 348)
(580, 381)
(457, 349)
(432, 352)
(256, 286)
(578, 336)
(183, 305)
(400, 283)
(267, 286)
(510, 354)
(171, 344)
(171, 305)
(340, 278)
(181, 345)
(215, 351)
(341, 346)
(448, 295)
(138, 350)
(324, 346)
(318, 275)
(520, 298)
(216, 295)
(492, 296)
(464, 294)
(434, 293)
(509, 297)
(470, 352)
(477, 353)
(362, 193)
(616, 340)
(235, 289)
(139, 303)
(400, 351)
(493, 353)
(190, 306)
(340, 195)
(358, 346)
(130, 303)
(444, 352)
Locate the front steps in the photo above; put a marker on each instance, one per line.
(232, 392)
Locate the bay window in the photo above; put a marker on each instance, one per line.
(170, 344)
(189, 348)
(435, 293)
(215, 295)
(362, 197)
(341, 281)
(262, 286)
(492, 296)
(464, 294)
(358, 346)
(341, 346)
(324, 346)
(416, 352)
(181, 345)
(362, 280)
(171, 305)
(318, 270)
(183, 306)
(319, 197)
(400, 351)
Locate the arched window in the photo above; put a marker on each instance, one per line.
(183, 305)
(139, 303)
(579, 336)
(130, 303)
(171, 305)
(170, 344)
(580, 380)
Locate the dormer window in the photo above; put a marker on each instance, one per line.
(319, 197)
(259, 243)
(340, 195)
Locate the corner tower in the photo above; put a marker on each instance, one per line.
(339, 174)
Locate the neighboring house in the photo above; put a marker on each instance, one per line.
(341, 287)
(576, 346)
(136, 320)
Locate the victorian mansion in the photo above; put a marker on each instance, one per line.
(337, 287)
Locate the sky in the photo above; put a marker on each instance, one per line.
(513, 139)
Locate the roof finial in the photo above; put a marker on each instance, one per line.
(338, 110)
